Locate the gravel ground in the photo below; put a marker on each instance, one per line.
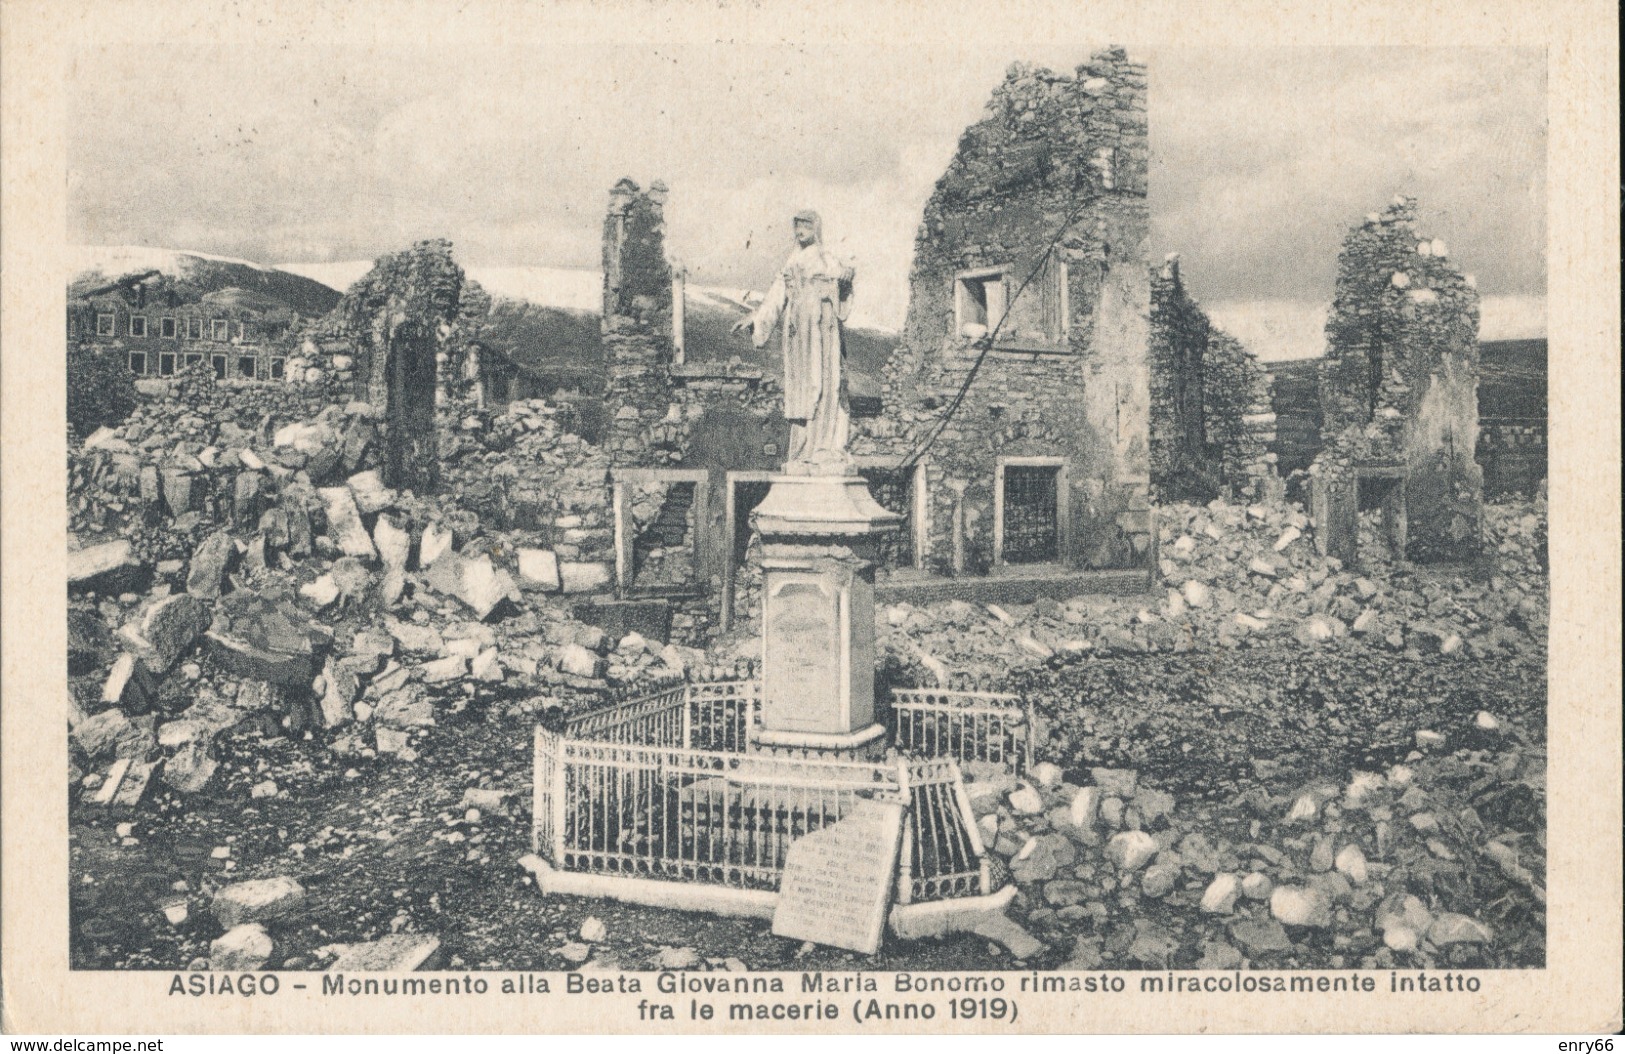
(384, 845)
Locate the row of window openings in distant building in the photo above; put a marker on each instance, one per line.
(172, 328)
(244, 367)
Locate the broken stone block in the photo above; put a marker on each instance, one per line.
(1301, 906)
(1350, 862)
(190, 769)
(404, 708)
(210, 563)
(414, 639)
(370, 494)
(577, 577)
(112, 734)
(1452, 928)
(1131, 850)
(168, 628)
(1085, 806)
(1002, 930)
(241, 949)
(577, 661)
(263, 640)
(486, 667)
(344, 524)
(322, 591)
(436, 542)
(478, 583)
(129, 684)
(389, 740)
(394, 545)
(1220, 896)
(539, 569)
(258, 900)
(449, 668)
(110, 567)
(339, 690)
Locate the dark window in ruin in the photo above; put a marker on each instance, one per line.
(194, 328)
(219, 364)
(192, 358)
(893, 490)
(220, 329)
(138, 363)
(747, 495)
(279, 369)
(245, 366)
(138, 325)
(166, 328)
(663, 551)
(1032, 528)
(243, 332)
(979, 302)
(104, 325)
(166, 364)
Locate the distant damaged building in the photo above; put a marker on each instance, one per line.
(1211, 418)
(1399, 396)
(1017, 405)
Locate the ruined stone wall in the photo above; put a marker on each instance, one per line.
(637, 323)
(1240, 420)
(406, 319)
(1211, 419)
(1399, 383)
(1048, 191)
(1180, 331)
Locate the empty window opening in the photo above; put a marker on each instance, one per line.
(979, 302)
(220, 329)
(748, 493)
(245, 367)
(138, 325)
(219, 364)
(138, 363)
(1032, 522)
(664, 533)
(279, 369)
(191, 358)
(166, 328)
(194, 328)
(104, 325)
(166, 364)
(1381, 522)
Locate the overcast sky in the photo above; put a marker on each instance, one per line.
(299, 149)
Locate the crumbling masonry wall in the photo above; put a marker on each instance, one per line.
(1399, 391)
(1041, 210)
(1211, 419)
(637, 322)
(403, 318)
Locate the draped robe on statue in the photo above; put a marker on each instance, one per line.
(811, 297)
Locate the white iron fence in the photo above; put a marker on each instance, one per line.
(661, 787)
(992, 727)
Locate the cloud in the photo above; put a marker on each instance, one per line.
(1262, 158)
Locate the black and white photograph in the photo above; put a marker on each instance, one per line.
(886, 524)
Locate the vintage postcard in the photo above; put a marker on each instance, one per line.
(929, 517)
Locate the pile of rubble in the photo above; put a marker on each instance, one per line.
(1435, 861)
(1237, 576)
(336, 606)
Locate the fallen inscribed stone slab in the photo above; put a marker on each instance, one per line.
(839, 879)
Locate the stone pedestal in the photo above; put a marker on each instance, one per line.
(819, 538)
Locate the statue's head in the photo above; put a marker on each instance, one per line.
(808, 227)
